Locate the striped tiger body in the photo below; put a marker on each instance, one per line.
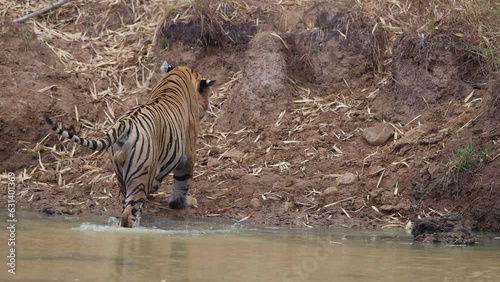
(153, 139)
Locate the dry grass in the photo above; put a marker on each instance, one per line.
(207, 23)
(474, 21)
(111, 56)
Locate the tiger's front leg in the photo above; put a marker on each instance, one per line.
(182, 178)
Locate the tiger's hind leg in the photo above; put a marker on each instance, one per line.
(182, 178)
(135, 178)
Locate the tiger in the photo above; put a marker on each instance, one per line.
(153, 139)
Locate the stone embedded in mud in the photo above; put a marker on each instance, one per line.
(285, 206)
(51, 210)
(379, 134)
(286, 184)
(212, 162)
(347, 178)
(387, 208)
(288, 181)
(448, 229)
(238, 173)
(234, 154)
(331, 190)
(434, 171)
(403, 205)
(255, 203)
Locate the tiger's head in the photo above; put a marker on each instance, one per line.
(202, 85)
(204, 93)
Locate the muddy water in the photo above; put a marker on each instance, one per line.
(89, 249)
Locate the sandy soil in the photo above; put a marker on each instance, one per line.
(284, 142)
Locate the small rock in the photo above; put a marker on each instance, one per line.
(238, 173)
(376, 170)
(255, 203)
(49, 176)
(286, 184)
(331, 190)
(49, 210)
(278, 185)
(234, 154)
(375, 195)
(434, 171)
(401, 206)
(379, 134)
(448, 229)
(286, 206)
(288, 181)
(347, 178)
(387, 208)
(212, 162)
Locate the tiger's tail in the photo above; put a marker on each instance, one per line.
(97, 145)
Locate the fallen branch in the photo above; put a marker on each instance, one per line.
(39, 12)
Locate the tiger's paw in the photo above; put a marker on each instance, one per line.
(177, 203)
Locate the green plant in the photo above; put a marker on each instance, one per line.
(323, 26)
(46, 39)
(463, 158)
(25, 32)
(485, 154)
(164, 44)
(488, 54)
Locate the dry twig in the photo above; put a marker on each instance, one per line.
(39, 12)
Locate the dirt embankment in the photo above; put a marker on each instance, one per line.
(285, 143)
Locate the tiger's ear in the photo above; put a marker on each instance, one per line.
(166, 67)
(204, 84)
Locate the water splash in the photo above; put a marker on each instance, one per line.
(113, 226)
(113, 221)
(137, 221)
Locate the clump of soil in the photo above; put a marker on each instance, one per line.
(338, 48)
(449, 229)
(263, 89)
(438, 59)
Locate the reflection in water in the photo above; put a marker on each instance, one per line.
(58, 249)
(139, 252)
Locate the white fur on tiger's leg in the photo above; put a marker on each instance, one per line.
(182, 179)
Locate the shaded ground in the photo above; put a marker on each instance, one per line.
(283, 142)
